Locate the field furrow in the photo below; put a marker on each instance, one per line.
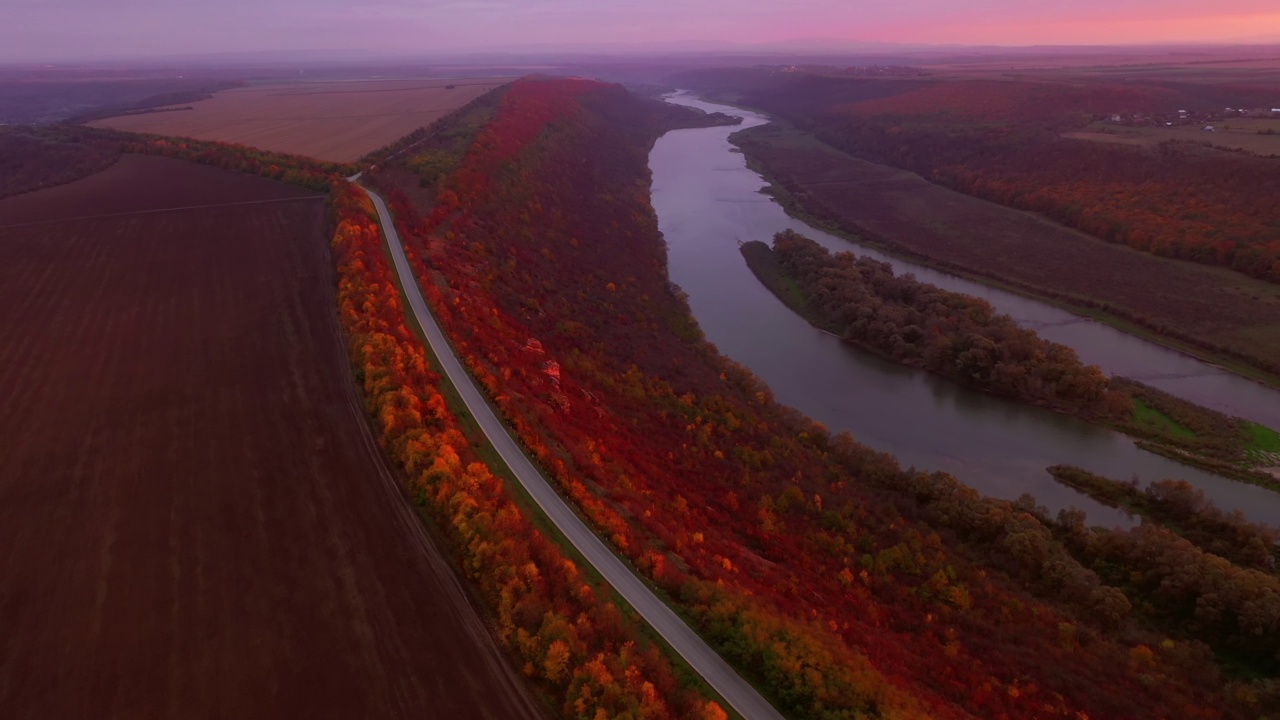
(194, 521)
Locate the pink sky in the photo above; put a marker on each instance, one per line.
(66, 29)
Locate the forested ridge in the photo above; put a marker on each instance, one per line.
(34, 160)
(840, 583)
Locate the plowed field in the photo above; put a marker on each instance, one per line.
(194, 519)
(335, 120)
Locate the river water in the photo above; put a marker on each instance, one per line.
(708, 202)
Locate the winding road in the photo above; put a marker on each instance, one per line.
(705, 661)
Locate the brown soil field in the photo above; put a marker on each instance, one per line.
(130, 186)
(1025, 251)
(195, 521)
(339, 120)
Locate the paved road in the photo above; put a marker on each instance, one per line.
(736, 691)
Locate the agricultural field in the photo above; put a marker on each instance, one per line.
(195, 520)
(337, 120)
(1260, 136)
(1215, 65)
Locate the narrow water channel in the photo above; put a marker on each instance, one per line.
(708, 202)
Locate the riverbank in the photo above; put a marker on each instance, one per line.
(952, 232)
(1263, 477)
(708, 202)
(1184, 510)
(864, 304)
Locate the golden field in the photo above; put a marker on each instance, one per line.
(337, 120)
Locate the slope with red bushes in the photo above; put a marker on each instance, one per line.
(569, 639)
(843, 585)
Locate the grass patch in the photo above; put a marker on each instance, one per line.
(1262, 438)
(1147, 416)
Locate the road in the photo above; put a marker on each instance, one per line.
(705, 661)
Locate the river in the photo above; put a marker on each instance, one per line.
(708, 202)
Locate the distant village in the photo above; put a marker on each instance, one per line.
(1207, 119)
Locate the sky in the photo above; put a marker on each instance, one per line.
(50, 30)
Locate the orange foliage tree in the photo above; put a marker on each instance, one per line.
(568, 638)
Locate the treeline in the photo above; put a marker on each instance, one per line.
(292, 169)
(1176, 201)
(1001, 141)
(1190, 594)
(31, 159)
(955, 335)
(157, 102)
(840, 583)
(564, 632)
(48, 155)
(463, 122)
(1218, 615)
(1181, 507)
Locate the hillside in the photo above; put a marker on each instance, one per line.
(842, 584)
